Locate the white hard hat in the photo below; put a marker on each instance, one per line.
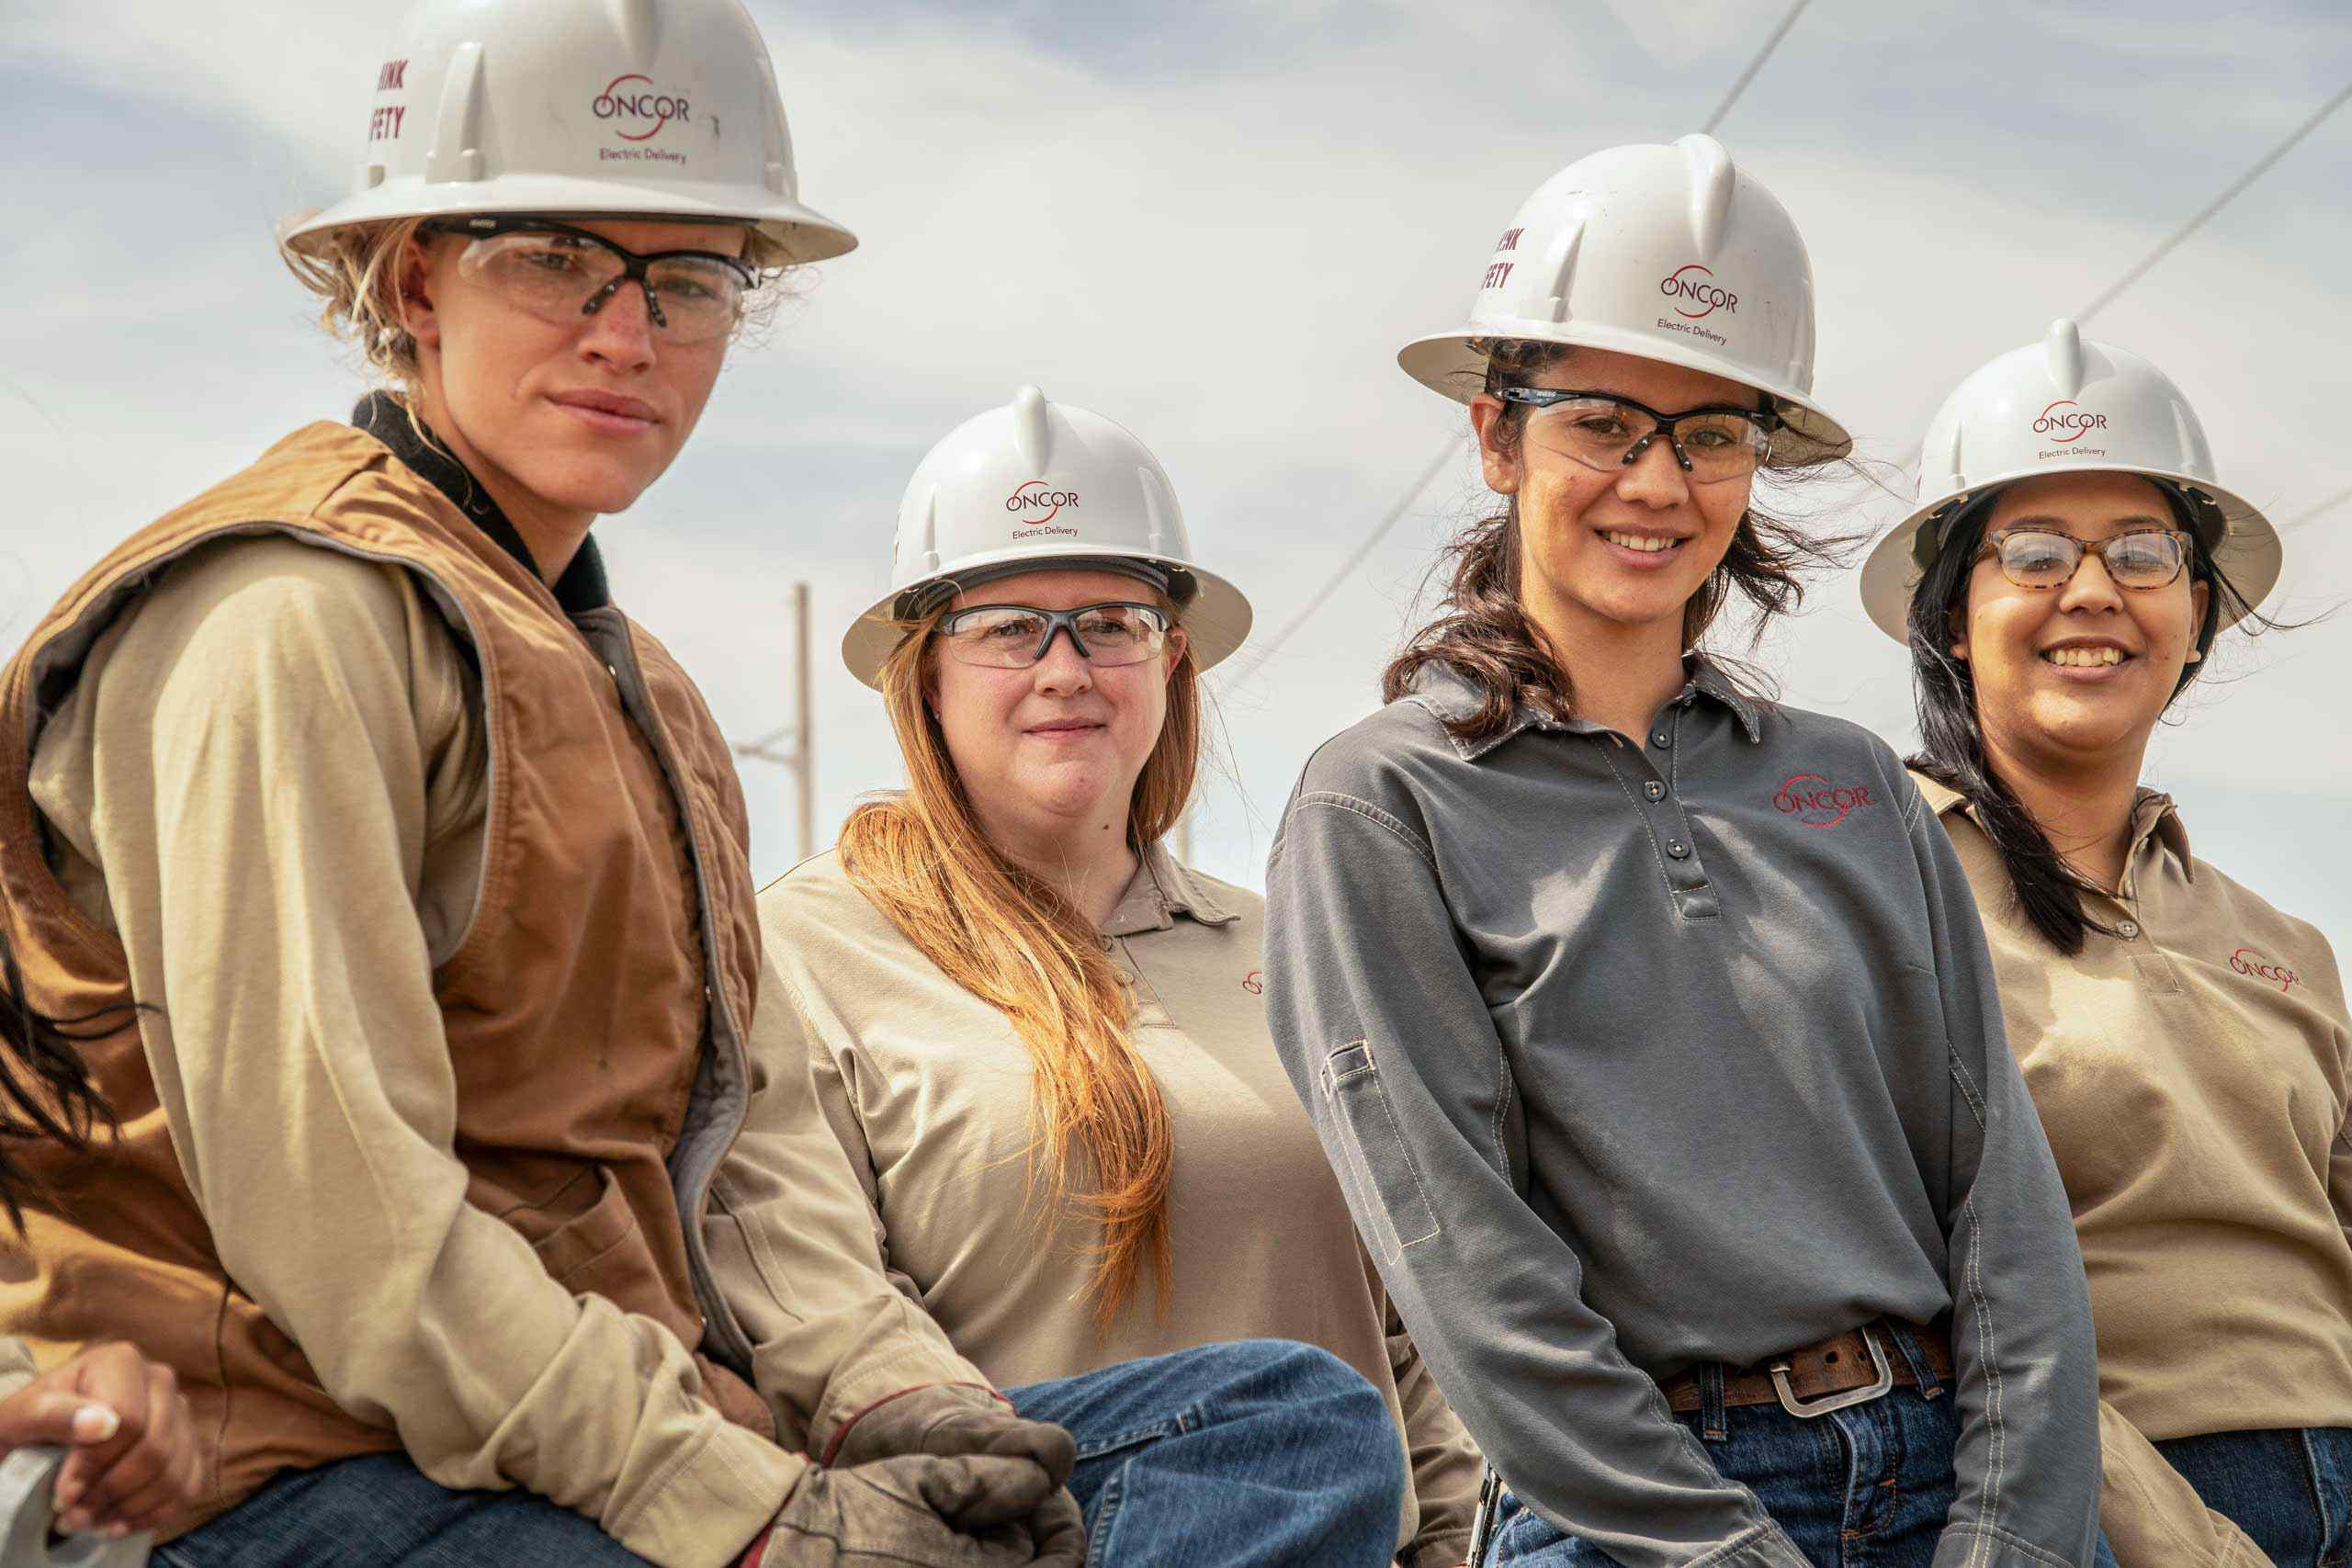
(2067, 404)
(580, 108)
(1667, 252)
(1031, 486)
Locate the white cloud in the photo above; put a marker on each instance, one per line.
(1224, 253)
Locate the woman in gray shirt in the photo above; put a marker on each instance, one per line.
(1650, 1025)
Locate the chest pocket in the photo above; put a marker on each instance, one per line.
(1391, 1196)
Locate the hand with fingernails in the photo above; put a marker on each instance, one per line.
(130, 1439)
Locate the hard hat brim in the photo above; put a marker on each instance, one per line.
(2250, 553)
(1447, 363)
(805, 234)
(1216, 620)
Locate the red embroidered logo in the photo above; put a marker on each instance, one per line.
(2245, 961)
(1254, 982)
(1815, 802)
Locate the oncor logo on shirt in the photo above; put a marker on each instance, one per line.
(1815, 802)
(2247, 961)
(1254, 982)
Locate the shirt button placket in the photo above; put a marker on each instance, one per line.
(1669, 829)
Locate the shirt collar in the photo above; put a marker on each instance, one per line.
(1159, 892)
(2152, 816)
(582, 587)
(1448, 694)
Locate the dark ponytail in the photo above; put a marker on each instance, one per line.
(1951, 741)
(46, 1093)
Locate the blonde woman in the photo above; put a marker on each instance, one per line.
(1042, 1040)
(400, 881)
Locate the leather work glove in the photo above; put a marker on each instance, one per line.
(948, 1419)
(918, 1511)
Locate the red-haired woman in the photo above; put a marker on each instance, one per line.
(1042, 1040)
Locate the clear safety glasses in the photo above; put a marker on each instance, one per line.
(2043, 557)
(560, 274)
(1602, 431)
(1014, 637)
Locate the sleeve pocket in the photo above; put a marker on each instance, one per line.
(1391, 1198)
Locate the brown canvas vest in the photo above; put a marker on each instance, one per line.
(594, 1010)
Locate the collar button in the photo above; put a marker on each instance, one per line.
(2127, 930)
(1662, 739)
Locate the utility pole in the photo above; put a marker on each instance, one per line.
(794, 746)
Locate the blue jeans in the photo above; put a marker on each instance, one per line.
(381, 1510)
(1264, 1453)
(1261, 1454)
(1867, 1486)
(2290, 1490)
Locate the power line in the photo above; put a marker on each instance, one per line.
(2261, 165)
(1754, 65)
(2330, 505)
(1420, 482)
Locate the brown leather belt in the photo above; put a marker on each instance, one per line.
(1844, 1369)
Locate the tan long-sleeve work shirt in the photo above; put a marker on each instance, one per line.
(929, 1089)
(2193, 1071)
(300, 1051)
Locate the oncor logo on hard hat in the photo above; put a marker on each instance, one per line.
(1702, 290)
(632, 97)
(2071, 424)
(1034, 504)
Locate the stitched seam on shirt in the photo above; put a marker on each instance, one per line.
(1655, 853)
(1968, 1090)
(765, 1262)
(2152, 1508)
(1506, 1088)
(1371, 813)
(619, 1525)
(1988, 1356)
(1987, 1536)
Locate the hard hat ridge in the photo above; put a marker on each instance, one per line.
(1667, 251)
(580, 108)
(1033, 485)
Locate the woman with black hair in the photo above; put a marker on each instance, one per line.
(2062, 583)
(134, 1458)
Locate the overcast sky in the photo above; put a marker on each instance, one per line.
(1216, 222)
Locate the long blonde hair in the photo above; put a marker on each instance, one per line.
(1009, 938)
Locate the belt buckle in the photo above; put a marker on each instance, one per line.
(1807, 1410)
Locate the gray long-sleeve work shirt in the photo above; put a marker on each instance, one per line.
(1633, 1054)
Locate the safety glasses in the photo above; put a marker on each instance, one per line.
(1603, 431)
(1014, 637)
(559, 273)
(2043, 557)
